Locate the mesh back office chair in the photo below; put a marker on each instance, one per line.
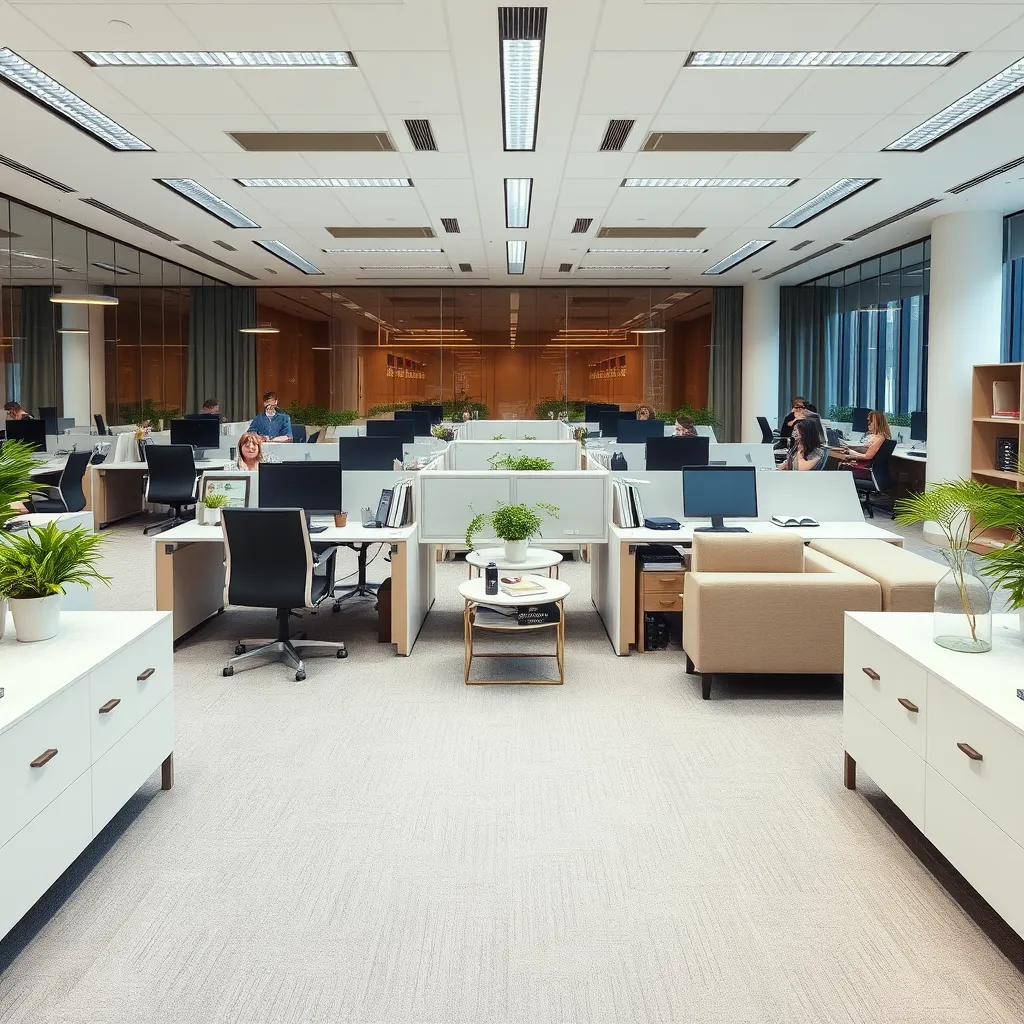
(171, 480)
(270, 565)
(48, 414)
(101, 427)
(298, 433)
(879, 481)
(69, 494)
(767, 434)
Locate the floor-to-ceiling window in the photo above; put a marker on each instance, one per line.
(1013, 288)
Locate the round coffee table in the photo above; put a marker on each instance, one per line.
(474, 594)
(536, 558)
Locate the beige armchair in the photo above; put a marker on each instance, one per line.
(767, 605)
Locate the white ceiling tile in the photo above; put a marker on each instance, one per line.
(86, 26)
(423, 166)
(902, 26)
(272, 26)
(421, 83)
(958, 80)
(775, 26)
(20, 33)
(358, 165)
(830, 133)
(239, 164)
(623, 84)
(678, 165)
(449, 131)
(857, 90)
(311, 91)
(209, 133)
(181, 90)
(412, 25)
(634, 25)
(733, 91)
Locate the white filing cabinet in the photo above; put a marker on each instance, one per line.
(942, 734)
(85, 719)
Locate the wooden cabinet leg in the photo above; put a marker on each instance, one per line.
(849, 771)
(705, 686)
(167, 772)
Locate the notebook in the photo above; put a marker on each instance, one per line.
(794, 521)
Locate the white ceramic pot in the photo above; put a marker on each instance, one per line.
(515, 550)
(208, 516)
(36, 618)
(3, 616)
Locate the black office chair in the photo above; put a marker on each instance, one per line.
(48, 414)
(69, 494)
(270, 565)
(313, 438)
(298, 433)
(880, 482)
(101, 427)
(767, 434)
(171, 481)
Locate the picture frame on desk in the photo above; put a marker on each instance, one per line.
(236, 485)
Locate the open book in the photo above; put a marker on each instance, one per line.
(794, 521)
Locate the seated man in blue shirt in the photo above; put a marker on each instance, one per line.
(271, 424)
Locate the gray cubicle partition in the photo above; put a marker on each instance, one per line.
(474, 455)
(514, 430)
(760, 456)
(449, 500)
(360, 488)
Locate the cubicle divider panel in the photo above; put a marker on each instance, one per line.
(285, 451)
(346, 431)
(760, 456)
(360, 488)
(513, 430)
(450, 500)
(661, 491)
(583, 501)
(474, 455)
(827, 497)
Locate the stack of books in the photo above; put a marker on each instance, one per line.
(627, 512)
(660, 558)
(398, 503)
(516, 586)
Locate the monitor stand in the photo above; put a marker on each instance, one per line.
(718, 526)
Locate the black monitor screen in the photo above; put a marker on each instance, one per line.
(673, 453)
(592, 410)
(436, 411)
(719, 491)
(638, 431)
(48, 414)
(404, 430)
(919, 426)
(32, 432)
(369, 452)
(419, 418)
(860, 421)
(314, 487)
(198, 433)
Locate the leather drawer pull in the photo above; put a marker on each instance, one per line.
(143, 676)
(871, 674)
(908, 704)
(110, 705)
(970, 752)
(45, 756)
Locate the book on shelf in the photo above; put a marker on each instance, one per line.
(627, 508)
(487, 615)
(795, 521)
(516, 586)
(537, 614)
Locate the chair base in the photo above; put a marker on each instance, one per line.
(354, 590)
(284, 646)
(176, 519)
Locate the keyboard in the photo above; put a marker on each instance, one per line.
(317, 529)
(917, 455)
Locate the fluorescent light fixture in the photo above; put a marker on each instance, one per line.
(115, 269)
(744, 252)
(647, 330)
(260, 329)
(518, 193)
(69, 299)
(978, 101)
(282, 252)
(72, 330)
(515, 256)
(659, 251)
(325, 182)
(587, 268)
(822, 59)
(321, 348)
(823, 201)
(521, 32)
(63, 102)
(708, 182)
(219, 59)
(408, 251)
(436, 266)
(206, 200)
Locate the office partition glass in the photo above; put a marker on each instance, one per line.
(1013, 289)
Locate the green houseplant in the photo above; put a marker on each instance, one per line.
(521, 463)
(210, 506)
(16, 465)
(514, 524)
(36, 566)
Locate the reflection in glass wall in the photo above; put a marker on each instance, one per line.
(1013, 289)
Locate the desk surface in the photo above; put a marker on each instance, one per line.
(140, 467)
(825, 531)
(193, 532)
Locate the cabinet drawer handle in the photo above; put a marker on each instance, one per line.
(908, 704)
(666, 600)
(110, 705)
(871, 674)
(143, 676)
(970, 752)
(45, 756)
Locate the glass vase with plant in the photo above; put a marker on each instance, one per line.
(513, 524)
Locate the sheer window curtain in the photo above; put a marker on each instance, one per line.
(726, 358)
(221, 361)
(804, 346)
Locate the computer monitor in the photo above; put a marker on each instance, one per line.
(592, 410)
(198, 433)
(436, 411)
(405, 430)
(48, 414)
(860, 421)
(202, 416)
(638, 431)
(673, 453)
(101, 427)
(31, 432)
(315, 487)
(419, 418)
(369, 452)
(919, 426)
(719, 491)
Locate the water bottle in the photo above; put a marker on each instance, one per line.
(491, 580)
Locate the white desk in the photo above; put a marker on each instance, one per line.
(613, 565)
(190, 575)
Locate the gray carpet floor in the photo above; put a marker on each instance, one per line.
(385, 844)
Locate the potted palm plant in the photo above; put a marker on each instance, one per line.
(210, 508)
(36, 566)
(514, 524)
(16, 464)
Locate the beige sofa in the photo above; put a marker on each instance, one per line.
(767, 605)
(907, 580)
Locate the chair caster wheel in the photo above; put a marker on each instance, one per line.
(229, 671)
(240, 649)
(336, 609)
(299, 676)
(343, 653)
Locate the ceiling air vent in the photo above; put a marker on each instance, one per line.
(806, 259)
(635, 232)
(134, 221)
(892, 220)
(615, 135)
(270, 270)
(722, 142)
(565, 268)
(421, 134)
(213, 259)
(314, 142)
(385, 232)
(451, 225)
(582, 225)
(801, 245)
(38, 175)
(994, 173)
(466, 268)
(224, 245)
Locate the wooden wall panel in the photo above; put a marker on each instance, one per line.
(285, 362)
(690, 362)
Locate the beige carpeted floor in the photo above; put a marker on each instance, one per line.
(384, 844)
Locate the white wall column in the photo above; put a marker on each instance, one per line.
(97, 364)
(760, 367)
(74, 351)
(964, 328)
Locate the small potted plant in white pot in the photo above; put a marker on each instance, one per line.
(209, 509)
(34, 569)
(16, 464)
(514, 524)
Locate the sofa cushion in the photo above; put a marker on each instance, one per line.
(746, 552)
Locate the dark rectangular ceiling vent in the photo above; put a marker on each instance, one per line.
(806, 259)
(582, 225)
(634, 232)
(722, 142)
(615, 135)
(134, 221)
(800, 245)
(224, 245)
(994, 173)
(270, 270)
(892, 220)
(451, 225)
(38, 175)
(421, 134)
(466, 268)
(314, 142)
(213, 259)
(387, 232)
(565, 268)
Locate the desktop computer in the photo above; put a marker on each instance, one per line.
(315, 487)
(436, 412)
(673, 453)
(638, 431)
(860, 421)
(716, 492)
(404, 430)
(419, 418)
(199, 433)
(919, 426)
(369, 452)
(31, 432)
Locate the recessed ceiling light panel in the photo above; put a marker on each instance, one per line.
(518, 194)
(708, 182)
(71, 299)
(744, 252)
(515, 256)
(220, 59)
(282, 252)
(643, 251)
(434, 267)
(823, 201)
(521, 34)
(325, 182)
(206, 200)
(622, 268)
(409, 252)
(822, 59)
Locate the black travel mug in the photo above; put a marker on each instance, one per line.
(491, 580)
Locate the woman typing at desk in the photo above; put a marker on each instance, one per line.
(808, 449)
(859, 459)
(251, 453)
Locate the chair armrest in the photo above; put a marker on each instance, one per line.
(322, 556)
(45, 492)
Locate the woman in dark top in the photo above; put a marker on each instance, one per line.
(808, 450)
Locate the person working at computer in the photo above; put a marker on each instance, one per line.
(859, 458)
(685, 427)
(13, 411)
(211, 407)
(271, 424)
(251, 453)
(644, 412)
(808, 448)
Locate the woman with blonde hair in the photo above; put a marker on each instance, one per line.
(251, 453)
(859, 458)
